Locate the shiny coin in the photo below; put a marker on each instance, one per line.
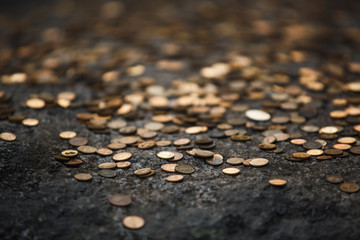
(216, 160)
(133, 222)
(165, 155)
(120, 200)
(235, 161)
(231, 171)
(116, 146)
(142, 171)
(7, 136)
(257, 115)
(104, 152)
(83, 177)
(116, 124)
(203, 154)
(67, 134)
(301, 155)
(148, 134)
(87, 149)
(196, 129)
(30, 122)
(174, 178)
(259, 162)
(347, 140)
(35, 103)
(78, 141)
(182, 141)
(122, 156)
(315, 152)
(123, 164)
(334, 179)
(328, 130)
(107, 173)
(169, 167)
(281, 137)
(107, 165)
(163, 143)
(298, 141)
(342, 146)
(69, 153)
(349, 187)
(277, 182)
(146, 145)
(185, 169)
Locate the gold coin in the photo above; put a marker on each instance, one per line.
(235, 161)
(182, 141)
(195, 129)
(315, 152)
(35, 103)
(328, 130)
(78, 141)
(175, 178)
(277, 182)
(152, 172)
(163, 143)
(104, 152)
(116, 146)
(342, 146)
(83, 177)
(165, 155)
(298, 141)
(338, 114)
(120, 200)
(204, 154)
(107, 165)
(347, 140)
(116, 124)
(146, 145)
(128, 140)
(231, 171)
(7, 136)
(259, 162)
(162, 118)
(69, 153)
(177, 157)
(301, 155)
(87, 149)
(30, 122)
(133, 222)
(154, 126)
(142, 171)
(67, 134)
(73, 163)
(122, 156)
(184, 169)
(169, 167)
(123, 164)
(349, 187)
(257, 115)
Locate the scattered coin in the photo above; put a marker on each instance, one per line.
(277, 182)
(123, 156)
(235, 161)
(67, 134)
(240, 138)
(312, 145)
(69, 153)
(182, 141)
(342, 146)
(35, 103)
(146, 145)
(166, 155)
(259, 162)
(298, 141)
(87, 149)
(116, 146)
(355, 150)
(301, 155)
(30, 122)
(163, 143)
(78, 141)
(142, 171)
(257, 115)
(231, 171)
(175, 178)
(333, 152)
(322, 158)
(204, 154)
(120, 200)
(349, 187)
(184, 169)
(347, 140)
(104, 152)
(334, 179)
(133, 222)
(83, 177)
(7, 136)
(73, 163)
(216, 160)
(107, 165)
(315, 152)
(169, 167)
(266, 146)
(107, 173)
(123, 164)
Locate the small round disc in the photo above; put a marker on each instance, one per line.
(69, 153)
(104, 152)
(235, 161)
(165, 155)
(334, 179)
(277, 182)
(259, 162)
(184, 169)
(67, 134)
(231, 171)
(175, 178)
(35, 103)
(123, 156)
(87, 149)
(133, 222)
(107, 165)
(7, 136)
(83, 177)
(30, 122)
(123, 164)
(120, 200)
(169, 167)
(349, 187)
(142, 171)
(257, 115)
(107, 173)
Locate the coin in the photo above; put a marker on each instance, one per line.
(277, 182)
(257, 115)
(133, 222)
(165, 155)
(67, 134)
(333, 152)
(78, 141)
(87, 149)
(120, 200)
(281, 137)
(146, 145)
(107, 165)
(128, 140)
(322, 158)
(123, 164)
(69, 153)
(235, 161)
(184, 169)
(349, 187)
(73, 163)
(231, 171)
(169, 167)
(259, 162)
(61, 158)
(315, 152)
(104, 152)
(328, 130)
(342, 146)
(355, 150)
(30, 122)
(301, 155)
(240, 138)
(163, 143)
(148, 134)
(196, 129)
(116, 146)
(312, 145)
(107, 173)
(310, 128)
(177, 157)
(83, 177)
(298, 141)
(347, 140)
(266, 146)
(142, 171)
(334, 179)
(216, 160)
(269, 140)
(174, 178)
(204, 154)
(35, 103)
(116, 124)
(182, 141)
(154, 126)
(123, 156)
(7, 136)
